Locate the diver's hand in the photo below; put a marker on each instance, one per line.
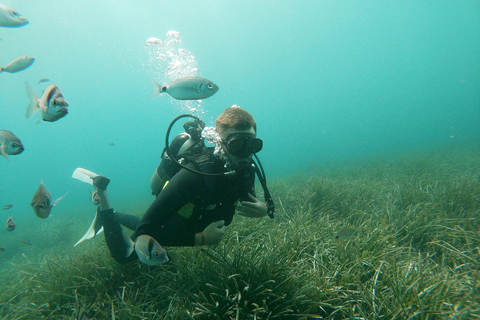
(212, 234)
(252, 209)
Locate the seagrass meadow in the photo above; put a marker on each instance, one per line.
(415, 255)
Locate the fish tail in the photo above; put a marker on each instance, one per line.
(129, 245)
(32, 107)
(157, 89)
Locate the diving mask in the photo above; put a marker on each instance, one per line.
(243, 145)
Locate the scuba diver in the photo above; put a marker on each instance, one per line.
(197, 189)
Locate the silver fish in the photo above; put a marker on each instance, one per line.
(52, 104)
(187, 88)
(345, 233)
(43, 80)
(18, 64)
(149, 251)
(10, 144)
(11, 18)
(42, 202)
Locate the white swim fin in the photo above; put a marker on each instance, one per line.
(84, 175)
(95, 229)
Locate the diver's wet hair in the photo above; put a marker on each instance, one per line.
(236, 118)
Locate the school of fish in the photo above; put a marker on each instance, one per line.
(52, 106)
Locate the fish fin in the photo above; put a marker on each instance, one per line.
(130, 245)
(59, 199)
(32, 107)
(157, 89)
(94, 229)
(1, 70)
(2, 150)
(84, 175)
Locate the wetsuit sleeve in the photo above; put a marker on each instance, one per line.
(161, 222)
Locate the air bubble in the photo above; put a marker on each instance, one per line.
(153, 42)
(168, 61)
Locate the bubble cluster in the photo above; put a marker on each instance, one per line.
(212, 136)
(168, 61)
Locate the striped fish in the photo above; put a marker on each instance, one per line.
(149, 251)
(52, 104)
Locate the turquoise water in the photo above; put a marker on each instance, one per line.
(325, 81)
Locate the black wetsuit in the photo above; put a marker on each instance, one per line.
(187, 205)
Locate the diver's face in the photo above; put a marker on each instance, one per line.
(235, 160)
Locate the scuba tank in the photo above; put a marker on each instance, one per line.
(168, 167)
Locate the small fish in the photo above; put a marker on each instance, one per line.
(94, 198)
(25, 242)
(43, 80)
(111, 144)
(187, 88)
(42, 202)
(345, 233)
(11, 18)
(7, 206)
(149, 251)
(18, 64)
(10, 224)
(52, 104)
(10, 144)
(2, 249)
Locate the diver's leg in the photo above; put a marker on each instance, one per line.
(100, 183)
(120, 246)
(127, 220)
